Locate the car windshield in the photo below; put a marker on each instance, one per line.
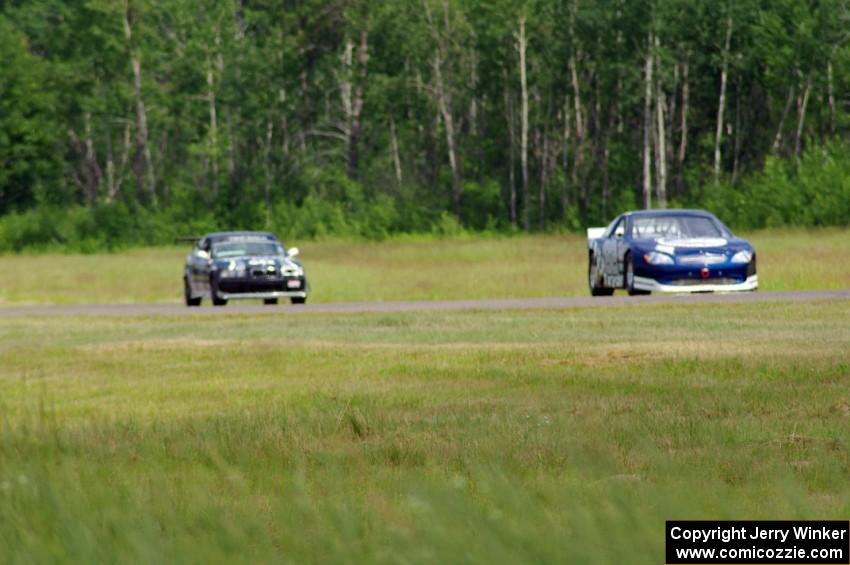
(675, 227)
(225, 249)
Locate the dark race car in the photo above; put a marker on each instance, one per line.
(668, 251)
(229, 265)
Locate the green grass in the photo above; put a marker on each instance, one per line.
(404, 270)
(486, 437)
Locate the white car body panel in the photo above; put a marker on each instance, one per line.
(594, 233)
(643, 283)
(691, 243)
(262, 295)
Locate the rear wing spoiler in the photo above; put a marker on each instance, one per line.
(187, 239)
(594, 233)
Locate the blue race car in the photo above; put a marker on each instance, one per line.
(668, 251)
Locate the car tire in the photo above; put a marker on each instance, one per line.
(629, 278)
(214, 294)
(298, 299)
(187, 295)
(596, 289)
(270, 301)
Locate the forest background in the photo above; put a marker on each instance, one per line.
(130, 122)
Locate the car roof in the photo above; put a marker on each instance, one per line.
(668, 212)
(232, 234)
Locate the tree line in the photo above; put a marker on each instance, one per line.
(372, 117)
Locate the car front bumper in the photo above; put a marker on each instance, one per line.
(264, 287)
(652, 285)
(263, 295)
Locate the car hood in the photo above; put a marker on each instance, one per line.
(249, 261)
(689, 246)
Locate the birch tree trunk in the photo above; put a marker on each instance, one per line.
(656, 154)
(355, 127)
(683, 133)
(110, 168)
(95, 174)
(304, 99)
(284, 124)
(660, 105)
(395, 155)
(670, 110)
(89, 168)
(565, 189)
(523, 137)
(619, 43)
(231, 116)
(511, 119)
(114, 179)
(718, 137)
(267, 173)
(444, 100)
(212, 139)
(473, 98)
(544, 176)
(801, 121)
(345, 86)
(736, 150)
(661, 172)
(578, 160)
(830, 97)
(647, 127)
(445, 103)
(777, 139)
(606, 156)
(142, 165)
(231, 151)
(595, 143)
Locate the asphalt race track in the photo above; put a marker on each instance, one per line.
(418, 306)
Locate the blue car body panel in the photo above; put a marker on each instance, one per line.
(620, 258)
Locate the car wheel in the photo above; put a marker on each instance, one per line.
(596, 289)
(630, 278)
(214, 293)
(270, 301)
(187, 295)
(298, 299)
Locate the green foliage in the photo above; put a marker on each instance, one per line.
(325, 119)
(29, 164)
(447, 226)
(816, 192)
(484, 204)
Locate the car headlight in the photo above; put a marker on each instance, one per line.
(742, 257)
(291, 271)
(234, 269)
(655, 258)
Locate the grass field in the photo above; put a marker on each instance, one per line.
(530, 266)
(484, 437)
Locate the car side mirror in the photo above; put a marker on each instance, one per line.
(203, 254)
(292, 252)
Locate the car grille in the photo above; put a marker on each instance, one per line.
(695, 282)
(701, 259)
(263, 284)
(264, 272)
